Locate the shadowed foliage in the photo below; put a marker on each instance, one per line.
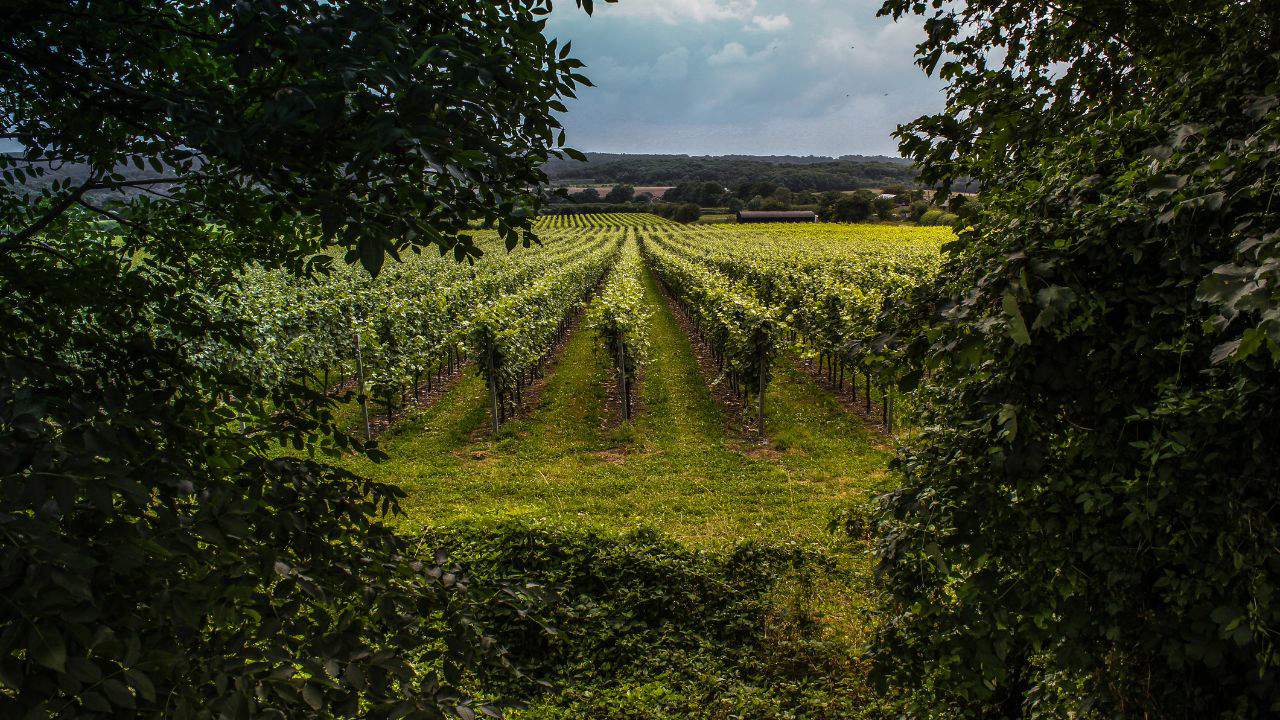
(1088, 525)
(154, 562)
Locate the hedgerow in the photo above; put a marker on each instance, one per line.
(639, 626)
(1090, 518)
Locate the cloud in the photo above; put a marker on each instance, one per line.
(674, 12)
(771, 23)
(673, 65)
(866, 48)
(731, 54)
(667, 67)
(735, 53)
(744, 76)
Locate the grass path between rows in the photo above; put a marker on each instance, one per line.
(676, 468)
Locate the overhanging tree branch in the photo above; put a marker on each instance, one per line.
(50, 215)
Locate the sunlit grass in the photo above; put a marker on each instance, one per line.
(679, 468)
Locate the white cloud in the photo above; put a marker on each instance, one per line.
(731, 54)
(668, 67)
(671, 66)
(866, 48)
(674, 12)
(735, 53)
(771, 23)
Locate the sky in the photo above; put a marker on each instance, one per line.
(757, 77)
(752, 77)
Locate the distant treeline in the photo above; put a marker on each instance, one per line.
(685, 203)
(795, 173)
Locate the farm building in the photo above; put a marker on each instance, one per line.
(776, 216)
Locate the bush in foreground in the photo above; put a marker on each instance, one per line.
(1089, 520)
(644, 627)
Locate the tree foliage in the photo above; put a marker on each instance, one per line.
(381, 124)
(1088, 525)
(847, 207)
(680, 212)
(620, 194)
(158, 558)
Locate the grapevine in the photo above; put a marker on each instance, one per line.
(620, 318)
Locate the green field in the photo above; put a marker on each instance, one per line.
(744, 561)
(682, 466)
(688, 464)
(687, 545)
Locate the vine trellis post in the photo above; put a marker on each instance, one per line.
(493, 392)
(622, 376)
(764, 376)
(364, 399)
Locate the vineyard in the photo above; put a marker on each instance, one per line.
(433, 351)
(324, 397)
(751, 293)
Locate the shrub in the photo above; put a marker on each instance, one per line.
(644, 627)
(619, 194)
(917, 209)
(848, 207)
(884, 208)
(681, 212)
(934, 216)
(1089, 515)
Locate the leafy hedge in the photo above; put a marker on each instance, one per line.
(1090, 520)
(644, 627)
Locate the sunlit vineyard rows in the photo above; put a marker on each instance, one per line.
(817, 289)
(751, 292)
(604, 220)
(620, 318)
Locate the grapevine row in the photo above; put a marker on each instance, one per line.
(642, 221)
(512, 336)
(825, 285)
(391, 333)
(748, 291)
(743, 333)
(620, 319)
